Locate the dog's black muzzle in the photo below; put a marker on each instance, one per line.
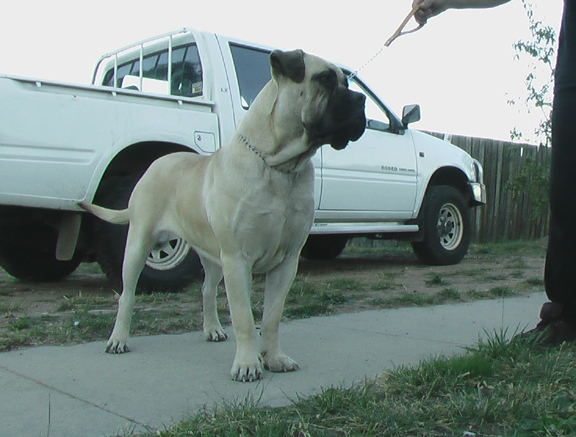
(343, 121)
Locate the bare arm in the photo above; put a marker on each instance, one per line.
(431, 8)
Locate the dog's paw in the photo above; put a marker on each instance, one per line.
(117, 346)
(246, 373)
(217, 334)
(280, 363)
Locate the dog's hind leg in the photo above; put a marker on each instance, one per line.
(278, 283)
(138, 246)
(213, 275)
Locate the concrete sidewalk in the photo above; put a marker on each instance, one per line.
(80, 391)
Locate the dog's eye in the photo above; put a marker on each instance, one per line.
(327, 79)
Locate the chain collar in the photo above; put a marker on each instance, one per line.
(261, 155)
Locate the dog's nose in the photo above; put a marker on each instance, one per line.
(358, 98)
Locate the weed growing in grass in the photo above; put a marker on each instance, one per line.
(436, 279)
(449, 294)
(345, 284)
(535, 247)
(406, 299)
(384, 282)
(494, 278)
(479, 272)
(7, 309)
(473, 295)
(516, 274)
(500, 292)
(535, 282)
(516, 264)
(21, 324)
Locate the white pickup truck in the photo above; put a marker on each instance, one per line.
(186, 91)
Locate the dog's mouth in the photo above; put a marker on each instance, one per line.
(353, 132)
(344, 121)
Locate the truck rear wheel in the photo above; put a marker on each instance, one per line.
(27, 252)
(446, 226)
(171, 265)
(324, 246)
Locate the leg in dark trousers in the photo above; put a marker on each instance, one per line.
(560, 272)
(559, 315)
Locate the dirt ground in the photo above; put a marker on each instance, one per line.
(367, 278)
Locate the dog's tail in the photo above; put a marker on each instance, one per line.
(117, 217)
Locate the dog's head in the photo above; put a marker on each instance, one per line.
(328, 111)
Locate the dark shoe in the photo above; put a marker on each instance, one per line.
(551, 311)
(553, 329)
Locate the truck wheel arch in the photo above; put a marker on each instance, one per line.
(135, 159)
(451, 176)
(126, 169)
(447, 194)
(170, 266)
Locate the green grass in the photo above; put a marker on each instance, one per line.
(308, 299)
(498, 388)
(407, 299)
(88, 317)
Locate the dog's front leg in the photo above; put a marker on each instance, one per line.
(278, 283)
(238, 281)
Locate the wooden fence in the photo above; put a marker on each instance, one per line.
(517, 189)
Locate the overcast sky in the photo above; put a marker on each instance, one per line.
(460, 67)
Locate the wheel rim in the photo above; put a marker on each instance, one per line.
(168, 254)
(450, 226)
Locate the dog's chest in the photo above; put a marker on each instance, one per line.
(265, 219)
(283, 205)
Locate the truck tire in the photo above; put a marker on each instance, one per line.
(171, 265)
(324, 246)
(446, 226)
(27, 252)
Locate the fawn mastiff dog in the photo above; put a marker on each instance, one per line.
(245, 209)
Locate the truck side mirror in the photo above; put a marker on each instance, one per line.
(410, 114)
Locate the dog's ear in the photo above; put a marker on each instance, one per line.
(289, 64)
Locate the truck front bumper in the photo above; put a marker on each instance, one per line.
(478, 189)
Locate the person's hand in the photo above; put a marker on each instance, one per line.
(429, 8)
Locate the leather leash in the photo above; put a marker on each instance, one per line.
(399, 32)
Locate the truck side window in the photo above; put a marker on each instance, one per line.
(123, 71)
(149, 67)
(252, 70)
(377, 119)
(186, 73)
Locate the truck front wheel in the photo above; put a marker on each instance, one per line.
(171, 265)
(446, 226)
(27, 252)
